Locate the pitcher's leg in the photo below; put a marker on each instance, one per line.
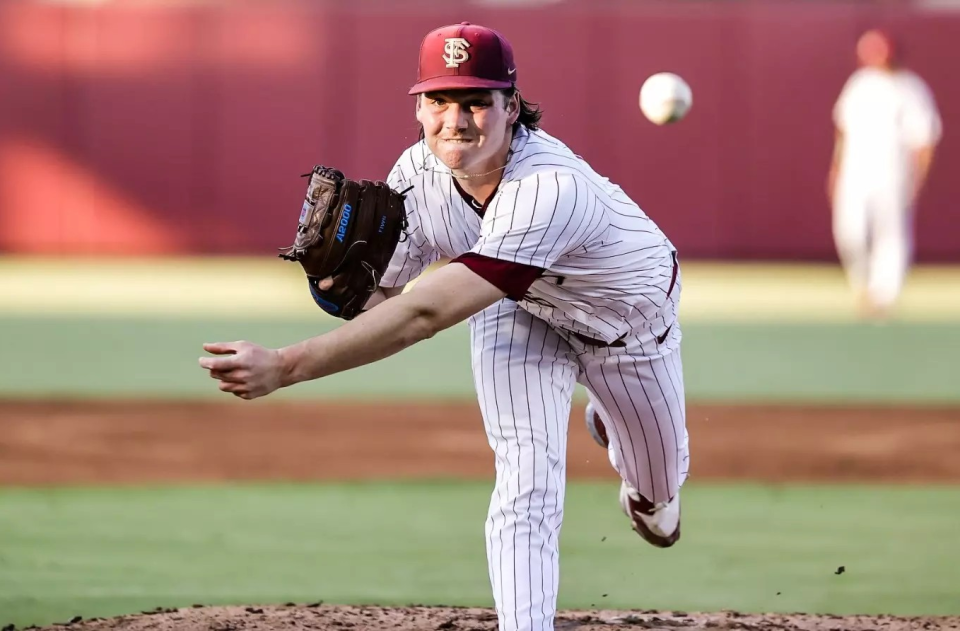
(641, 401)
(525, 375)
(641, 407)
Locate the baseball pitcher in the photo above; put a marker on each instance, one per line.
(561, 276)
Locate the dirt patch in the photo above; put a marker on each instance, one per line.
(136, 442)
(327, 618)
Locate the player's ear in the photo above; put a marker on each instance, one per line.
(418, 110)
(513, 107)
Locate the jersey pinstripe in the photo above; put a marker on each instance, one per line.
(608, 265)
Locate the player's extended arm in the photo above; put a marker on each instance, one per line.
(438, 301)
(381, 294)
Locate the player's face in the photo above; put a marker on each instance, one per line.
(875, 50)
(467, 129)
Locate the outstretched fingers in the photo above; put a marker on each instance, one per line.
(229, 360)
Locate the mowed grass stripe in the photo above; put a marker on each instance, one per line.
(121, 357)
(266, 287)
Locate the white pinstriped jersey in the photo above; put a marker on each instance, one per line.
(608, 266)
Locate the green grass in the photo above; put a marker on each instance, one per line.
(102, 552)
(827, 362)
(262, 286)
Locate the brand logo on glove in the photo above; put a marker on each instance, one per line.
(344, 222)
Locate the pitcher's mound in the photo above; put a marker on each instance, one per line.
(342, 618)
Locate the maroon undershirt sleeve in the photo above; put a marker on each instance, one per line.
(513, 279)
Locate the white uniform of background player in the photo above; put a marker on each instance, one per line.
(563, 279)
(887, 127)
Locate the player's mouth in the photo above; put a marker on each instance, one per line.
(458, 141)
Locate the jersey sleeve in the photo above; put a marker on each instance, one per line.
(536, 220)
(922, 123)
(513, 279)
(414, 253)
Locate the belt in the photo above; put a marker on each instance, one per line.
(592, 342)
(618, 343)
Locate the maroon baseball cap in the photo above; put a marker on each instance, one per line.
(463, 56)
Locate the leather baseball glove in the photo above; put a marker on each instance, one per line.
(348, 231)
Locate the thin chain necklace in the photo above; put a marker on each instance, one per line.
(473, 175)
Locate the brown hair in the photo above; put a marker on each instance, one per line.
(530, 113)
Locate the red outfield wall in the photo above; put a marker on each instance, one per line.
(160, 129)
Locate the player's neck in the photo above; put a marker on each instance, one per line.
(481, 181)
(481, 188)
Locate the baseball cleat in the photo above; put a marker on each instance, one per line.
(658, 524)
(595, 426)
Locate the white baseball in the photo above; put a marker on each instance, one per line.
(665, 98)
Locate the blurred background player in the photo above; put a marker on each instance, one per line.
(887, 127)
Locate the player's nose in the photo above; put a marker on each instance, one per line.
(455, 117)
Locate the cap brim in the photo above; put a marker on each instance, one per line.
(437, 84)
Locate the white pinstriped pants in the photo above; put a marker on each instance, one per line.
(525, 373)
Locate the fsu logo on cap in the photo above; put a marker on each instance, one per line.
(464, 57)
(455, 51)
